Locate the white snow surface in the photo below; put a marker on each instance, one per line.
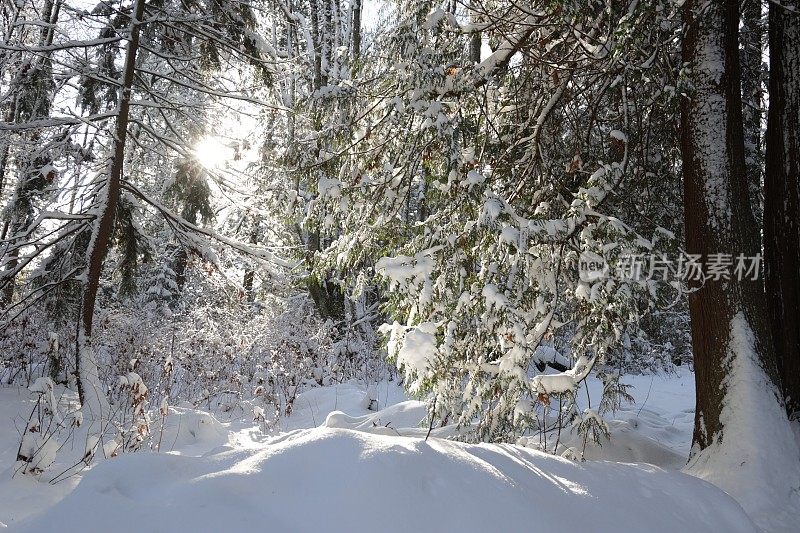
(757, 460)
(327, 479)
(334, 465)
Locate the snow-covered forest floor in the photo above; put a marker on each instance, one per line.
(335, 465)
(229, 230)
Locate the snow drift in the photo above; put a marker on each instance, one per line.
(330, 479)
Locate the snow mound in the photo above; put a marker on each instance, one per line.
(190, 430)
(399, 419)
(757, 460)
(342, 480)
(641, 436)
(312, 406)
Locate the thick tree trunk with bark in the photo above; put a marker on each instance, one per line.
(104, 223)
(718, 218)
(742, 441)
(782, 195)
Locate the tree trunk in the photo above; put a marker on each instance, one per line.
(475, 41)
(317, 39)
(250, 274)
(5, 146)
(326, 39)
(742, 439)
(718, 218)
(753, 100)
(782, 196)
(104, 223)
(357, 6)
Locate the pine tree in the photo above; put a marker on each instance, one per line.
(467, 193)
(32, 93)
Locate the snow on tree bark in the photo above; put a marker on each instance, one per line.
(717, 214)
(741, 431)
(89, 389)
